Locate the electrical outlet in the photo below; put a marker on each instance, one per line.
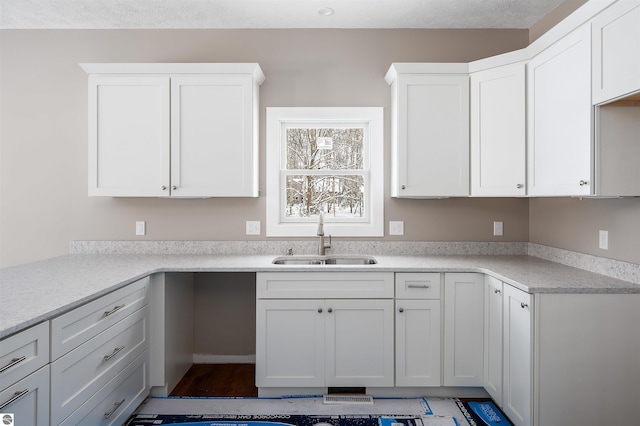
(603, 240)
(396, 227)
(140, 227)
(253, 227)
(497, 229)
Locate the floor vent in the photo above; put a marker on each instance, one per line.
(347, 399)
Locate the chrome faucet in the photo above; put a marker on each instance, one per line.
(322, 246)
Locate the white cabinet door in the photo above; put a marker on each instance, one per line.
(560, 146)
(493, 338)
(418, 342)
(359, 343)
(616, 51)
(28, 400)
(290, 343)
(430, 136)
(128, 136)
(317, 343)
(517, 356)
(498, 131)
(213, 140)
(463, 329)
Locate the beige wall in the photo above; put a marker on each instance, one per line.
(43, 137)
(43, 111)
(573, 224)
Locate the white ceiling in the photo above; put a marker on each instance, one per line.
(113, 14)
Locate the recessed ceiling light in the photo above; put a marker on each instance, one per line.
(326, 11)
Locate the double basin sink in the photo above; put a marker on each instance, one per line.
(324, 260)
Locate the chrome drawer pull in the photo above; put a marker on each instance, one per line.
(523, 305)
(496, 291)
(16, 396)
(14, 362)
(114, 310)
(116, 405)
(114, 353)
(419, 286)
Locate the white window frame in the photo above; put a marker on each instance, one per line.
(280, 117)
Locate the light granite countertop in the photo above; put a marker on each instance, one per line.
(34, 292)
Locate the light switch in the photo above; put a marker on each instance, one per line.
(497, 229)
(140, 227)
(603, 240)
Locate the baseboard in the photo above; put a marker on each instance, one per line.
(223, 359)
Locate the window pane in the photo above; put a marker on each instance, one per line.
(330, 148)
(335, 196)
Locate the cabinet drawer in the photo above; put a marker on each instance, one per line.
(82, 372)
(113, 404)
(418, 285)
(23, 353)
(324, 285)
(72, 329)
(28, 399)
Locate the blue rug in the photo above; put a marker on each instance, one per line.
(274, 420)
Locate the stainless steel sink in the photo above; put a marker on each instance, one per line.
(325, 260)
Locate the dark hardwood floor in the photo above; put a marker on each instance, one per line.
(228, 380)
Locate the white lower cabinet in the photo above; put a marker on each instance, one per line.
(28, 399)
(418, 328)
(81, 373)
(508, 349)
(463, 329)
(319, 343)
(324, 342)
(493, 338)
(113, 404)
(517, 366)
(96, 348)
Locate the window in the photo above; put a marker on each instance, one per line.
(329, 161)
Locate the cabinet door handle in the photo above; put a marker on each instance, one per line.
(116, 405)
(174, 187)
(164, 188)
(401, 310)
(112, 354)
(419, 286)
(496, 291)
(16, 396)
(330, 310)
(523, 305)
(12, 363)
(113, 311)
(519, 186)
(583, 183)
(319, 310)
(404, 187)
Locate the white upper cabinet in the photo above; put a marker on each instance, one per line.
(179, 130)
(616, 51)
(429, 130)
(129, 136)
(560, 129)
(498, 131)
(213, 141)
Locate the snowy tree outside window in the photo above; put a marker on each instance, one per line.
(332, 152)
(324, 160)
